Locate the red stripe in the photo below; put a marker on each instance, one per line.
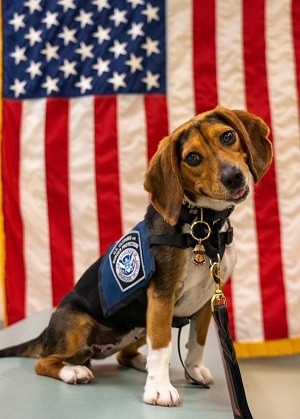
(205, 78)
(57, 182)
(267, 217)
(157, 121)
(107, 171)
(296, 33)
(14, 267)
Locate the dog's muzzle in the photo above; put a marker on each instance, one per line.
(232, 178)
(234, 181)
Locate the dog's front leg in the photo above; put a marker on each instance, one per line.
(197, 338)
(158, 389)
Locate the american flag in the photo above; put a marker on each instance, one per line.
(89, 89)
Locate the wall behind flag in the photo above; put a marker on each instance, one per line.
(89, 89)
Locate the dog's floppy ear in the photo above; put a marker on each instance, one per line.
(163, 180)
(253, 133)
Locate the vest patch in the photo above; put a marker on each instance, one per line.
(126, 261)
(125, 270)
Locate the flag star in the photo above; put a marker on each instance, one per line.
(84, 84)
(102, 34)
(17, 22)
(67, 4)
(84, 18)
(33, 36)
(68, 35)
(19, 55)
(34, 69)
(136, 30)
(85, 51)
(151, 80)
(68, 68)
(18, 87)
(102, 66)
(118, 48)
(33, 5)
(135, 63)
(101, 4)
(51, 85)
(50, 19)
(135, 3)
(151, 13)
(118, 17)
(50, 51)
(150, 46)
(117, 80)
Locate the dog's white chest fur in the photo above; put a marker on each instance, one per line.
(196, 286)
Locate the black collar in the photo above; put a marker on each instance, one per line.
(205, 223)
(190, 213)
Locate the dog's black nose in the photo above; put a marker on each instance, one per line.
(232, 177)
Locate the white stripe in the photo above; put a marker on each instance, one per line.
(83, 196)
(180, 88)
(285, 124)
(230, 75)
(33, 199)
(132, 149)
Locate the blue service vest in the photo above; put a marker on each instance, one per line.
(125, 270)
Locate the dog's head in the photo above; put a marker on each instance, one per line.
(208, 160)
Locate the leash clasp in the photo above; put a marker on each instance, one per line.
(218, 297)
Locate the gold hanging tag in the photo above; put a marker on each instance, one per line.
(199, 250)
(199, 254)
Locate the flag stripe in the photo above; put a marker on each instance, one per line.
(3, 305)
(157, 121)
(283, 96)
(132, 158)
(268, 228)
(296, 34)
(205, 80)
(57, 150)
(231, 89)
(107, 171)
(15, 289)
(232, 94)
(180, 89)
(84, 213)
(204, 55)
(34, 205)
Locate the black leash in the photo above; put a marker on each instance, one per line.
(233, 376)
(206, 238)
(234, 380)
(187, 375)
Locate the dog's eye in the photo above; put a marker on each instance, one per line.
(193, 159)
(228, 138)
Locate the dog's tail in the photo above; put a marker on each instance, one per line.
(30, 349)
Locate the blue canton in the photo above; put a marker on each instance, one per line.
(69, 48)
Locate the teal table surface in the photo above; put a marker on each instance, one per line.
(116, 391)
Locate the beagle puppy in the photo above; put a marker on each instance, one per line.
(203, 169)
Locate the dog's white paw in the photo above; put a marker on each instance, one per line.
(200, 373)
(162, 395)
(139, 362)
(73, 374)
